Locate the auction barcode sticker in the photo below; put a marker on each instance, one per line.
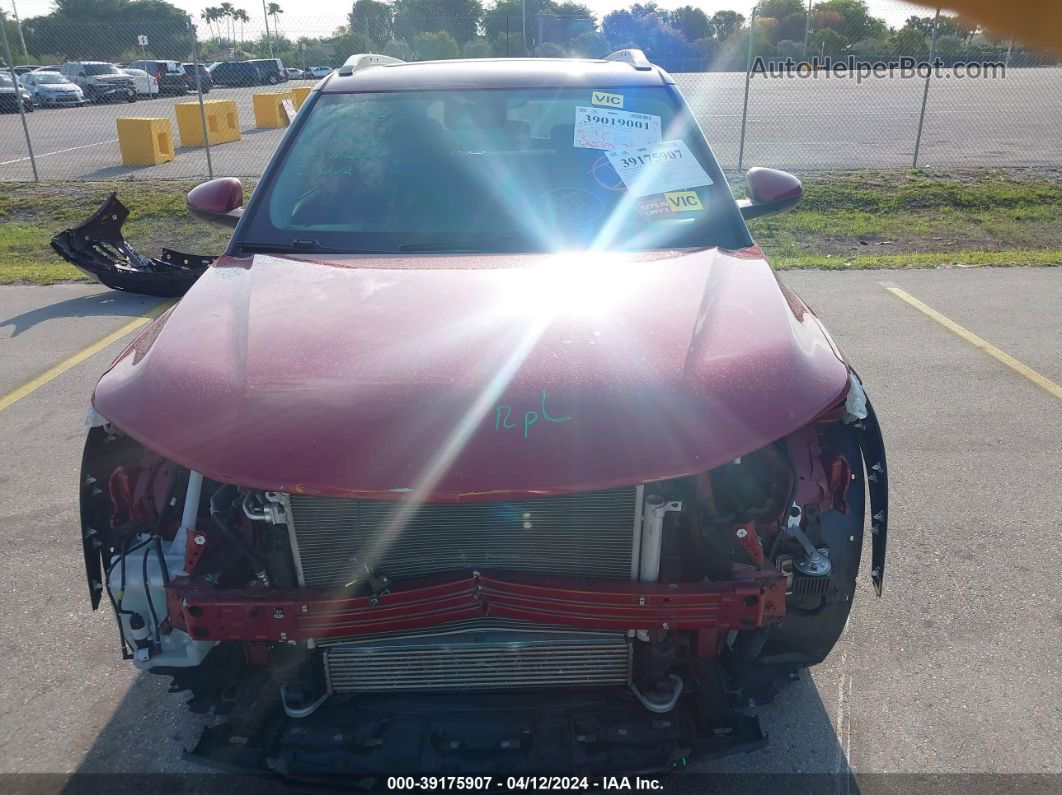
(665, 167)
(606, 128)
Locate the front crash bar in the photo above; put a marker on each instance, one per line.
(751, 600)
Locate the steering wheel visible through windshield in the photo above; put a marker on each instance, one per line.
(497, 170)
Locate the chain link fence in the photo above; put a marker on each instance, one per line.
(793, 84)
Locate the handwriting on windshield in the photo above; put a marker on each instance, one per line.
(503, 417)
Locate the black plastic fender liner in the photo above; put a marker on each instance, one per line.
(97, 248)
(873, 448)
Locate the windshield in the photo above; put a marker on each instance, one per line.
(48, 77)
(101, 69)
(527, 169)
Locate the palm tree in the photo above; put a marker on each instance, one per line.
(210, 15)
(274, 9)
(241, 16)
(227, 12)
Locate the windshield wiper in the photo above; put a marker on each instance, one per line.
(300, 246)
(494, 243)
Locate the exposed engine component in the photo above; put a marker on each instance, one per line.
(98, 248)
(589, 535)
(510, 657)
(680, 594)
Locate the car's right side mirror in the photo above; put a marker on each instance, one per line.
(769, 192)
(219, 201)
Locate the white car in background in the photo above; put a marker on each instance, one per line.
(146, 85)
(52, 90)
(320, 71)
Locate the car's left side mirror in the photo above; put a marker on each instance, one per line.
(769, 192)
(219, 201)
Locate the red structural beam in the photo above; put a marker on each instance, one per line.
(752, 599)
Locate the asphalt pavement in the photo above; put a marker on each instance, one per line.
(793, 123)
(955, 669)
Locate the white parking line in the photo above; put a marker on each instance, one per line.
(59, 151)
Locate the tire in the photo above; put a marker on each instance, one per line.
(272, 80)
(130, 97)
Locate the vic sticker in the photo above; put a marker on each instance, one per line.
(503, 417)
(609, 100)
(683, 201)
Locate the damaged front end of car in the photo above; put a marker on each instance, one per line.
(618, 629)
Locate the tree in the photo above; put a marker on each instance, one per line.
(909, 40)
(227, 10)
(827, 42)
(373, 19)
(459, 18)
(239, 15)
(274, 10)
(437, 45)
(590, 44)
(106, 29)
(477, 49)
(723, 24)
(397, 48)
(691, 22)
(855, 21)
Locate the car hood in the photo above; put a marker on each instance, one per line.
(473, 377)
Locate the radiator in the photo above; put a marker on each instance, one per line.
(479, 659)
(587, 535)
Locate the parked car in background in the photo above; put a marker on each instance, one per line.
(272, 70)
(52, 68)
(101, 82)
(9, 94)
(169, 75)
(52, 90)
(236, 73)
(26, 68)
(146, 85)
(294, 73)
(204, 77)
(318, 72)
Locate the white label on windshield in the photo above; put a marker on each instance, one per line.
(665, 167)
(606, 128)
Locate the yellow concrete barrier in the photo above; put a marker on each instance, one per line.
(145, 140)
(268, 112)
(300, 93)
(222, 119)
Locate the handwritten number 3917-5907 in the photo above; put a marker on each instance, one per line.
(503, 417)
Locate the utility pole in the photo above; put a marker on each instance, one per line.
(18, 27)
(807, 29)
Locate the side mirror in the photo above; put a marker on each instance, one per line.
(219, 201)
(769, 192)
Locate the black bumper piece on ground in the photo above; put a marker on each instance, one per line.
(98, 248)
(594, 732)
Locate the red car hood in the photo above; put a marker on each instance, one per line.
(465, 377)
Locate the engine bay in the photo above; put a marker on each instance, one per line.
(673, 601)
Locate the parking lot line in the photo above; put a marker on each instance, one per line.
(1040, 380)
(60, 151)
(50, 374)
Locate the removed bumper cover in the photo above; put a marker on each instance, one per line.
(98, 248)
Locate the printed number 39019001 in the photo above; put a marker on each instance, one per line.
(503, 417)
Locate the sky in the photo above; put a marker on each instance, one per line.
(320, 17)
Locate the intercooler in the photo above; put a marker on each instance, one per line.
(479, 658)
(586, 535)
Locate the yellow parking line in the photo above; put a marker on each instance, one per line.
(50, 374)
(1040, 380)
